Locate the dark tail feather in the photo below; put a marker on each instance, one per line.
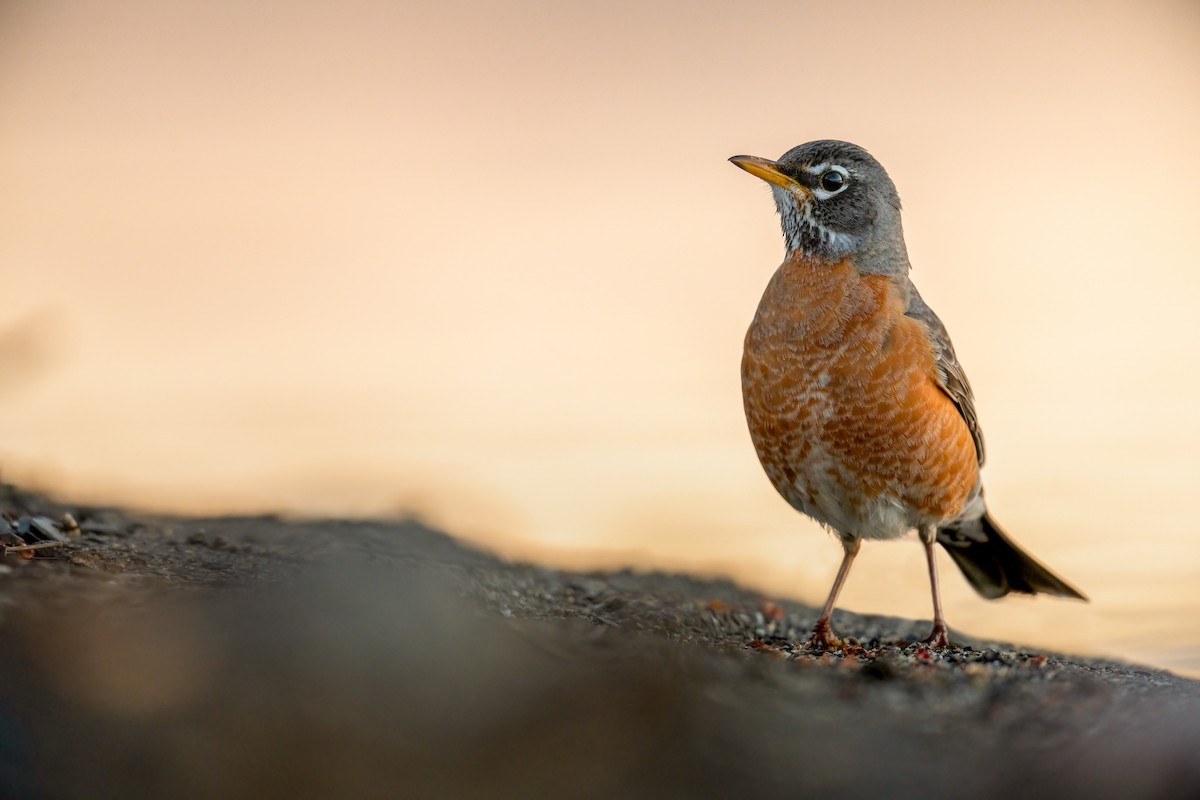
(995, 565)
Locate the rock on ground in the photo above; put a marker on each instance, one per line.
(261, 658)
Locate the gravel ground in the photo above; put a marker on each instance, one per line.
(260, 657)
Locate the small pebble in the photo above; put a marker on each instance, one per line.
(68, 525)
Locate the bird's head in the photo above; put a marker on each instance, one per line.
(835, 201)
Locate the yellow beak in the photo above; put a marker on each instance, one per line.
(767, 170)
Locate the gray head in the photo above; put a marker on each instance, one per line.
(835, 201)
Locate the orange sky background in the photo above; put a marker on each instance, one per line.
(486, 262)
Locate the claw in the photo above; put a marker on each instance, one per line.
(823, 638)
(940, 637)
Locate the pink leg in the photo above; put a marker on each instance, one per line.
(822, 633)
(940, 637)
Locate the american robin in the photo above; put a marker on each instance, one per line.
(860, 412)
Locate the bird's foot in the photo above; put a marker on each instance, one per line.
(822, 638)
(940, 637)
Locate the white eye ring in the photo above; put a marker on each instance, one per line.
(822, 173)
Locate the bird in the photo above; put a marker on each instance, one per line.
(857, 405)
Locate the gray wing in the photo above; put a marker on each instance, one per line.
(951, 378)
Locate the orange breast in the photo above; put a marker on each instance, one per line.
(843, 405)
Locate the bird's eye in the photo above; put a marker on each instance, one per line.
(833, 181)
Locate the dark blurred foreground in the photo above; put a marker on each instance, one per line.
(258, 658)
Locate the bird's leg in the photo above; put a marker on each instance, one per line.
(822, 633)
(940, 637)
